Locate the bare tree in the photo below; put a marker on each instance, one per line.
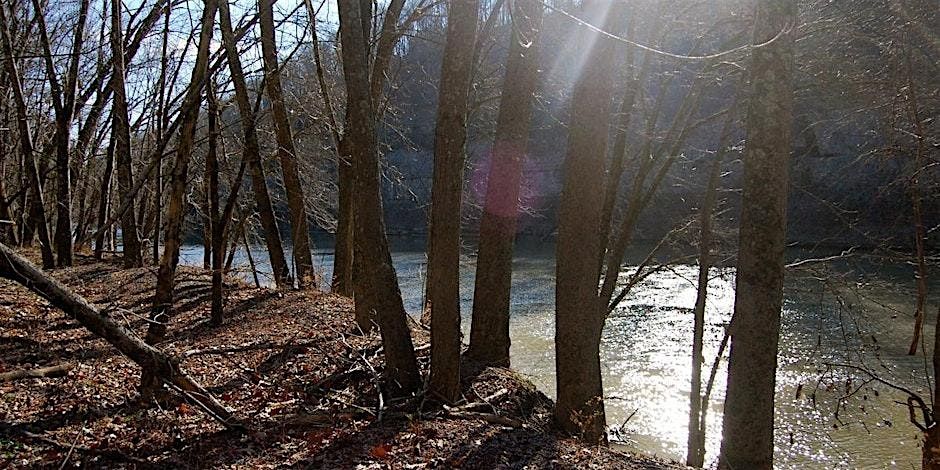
(63, 102)
(748, 425)
(300, 233)
(489, 330)
(450, 136)
(579, 310)
(122, 141)
(377, 292)
(37, 207)
(163, 298)
(252, 152)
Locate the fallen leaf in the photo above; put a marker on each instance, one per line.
(380, 451)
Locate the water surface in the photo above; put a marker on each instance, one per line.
(826, 417)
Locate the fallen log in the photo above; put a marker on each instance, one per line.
(20, 270)
(59, 370)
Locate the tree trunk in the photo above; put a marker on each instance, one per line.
(450, 138)
(748, 429)
(104, 201)
(343, 256)
(7, 226)
(163, 298)
(37, 207)
(300, 234)
(161, 131)
(122, 142)
(215, 219)
(489, 329)
(579, 311)
(252, 153)
(377, 291)
(63, 101)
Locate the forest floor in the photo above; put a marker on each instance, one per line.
(288, 363)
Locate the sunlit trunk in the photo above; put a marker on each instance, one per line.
(579, 310)
(748, 428)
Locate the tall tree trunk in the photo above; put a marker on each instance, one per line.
(300, 233)
(748, 429)
(252, 153)
(450, 139)
(206, 225)
(343, 265)
(122, 142)
(377, 291)
(489, 329)
(161, 130)
(104, 201)
(343, 280)
(163, 298)
(579, 311)
(63, 101)
(37, 207)
(215, 220)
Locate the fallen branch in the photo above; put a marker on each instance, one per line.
(59, 370)
(18, 269)
(259, 346)
(488, 417)
(109, 453)
(483, 403)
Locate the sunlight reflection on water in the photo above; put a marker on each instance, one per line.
(646, 363)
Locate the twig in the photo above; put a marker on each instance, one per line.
(484, 401)
(844, 254)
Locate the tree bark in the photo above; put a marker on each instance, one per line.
(120, 126)
(343, 260)
(63, 101)
(377, 291)
(215, 219)
(579, 311)
(104, 201)
(163, 298)
(161, 131)
(489, 329)
(252, 153)
(450, 139)
(37, 206)
(747, 440)
(300, 233)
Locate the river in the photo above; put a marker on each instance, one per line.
(837, 313)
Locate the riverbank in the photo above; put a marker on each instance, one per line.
(289, 363)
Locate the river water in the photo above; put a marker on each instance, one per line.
(836, 313)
